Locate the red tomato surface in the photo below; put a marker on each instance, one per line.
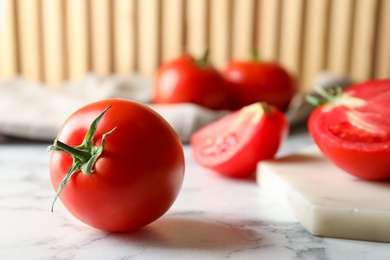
(353, 130)
(233, 145)
(256, 81)
(183, 80)
(136, 178)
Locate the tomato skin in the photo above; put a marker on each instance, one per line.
(366, 156)
(256, 140)
(136, 178)
(256, 81)
(182, 80)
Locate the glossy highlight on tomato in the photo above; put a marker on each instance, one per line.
(136, 177)
(352, 129)
(233, 145)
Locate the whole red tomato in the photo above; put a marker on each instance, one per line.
(186, 79)
(233, 145)
(352, 129)
(121, 172)
(257, 81)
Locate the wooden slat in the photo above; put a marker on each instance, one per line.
(30, 39)
(77, 38)
(124, 36)
(243, 29)
(292, 35)
(149, 36)
(53, 41)
(101, 37)
(382, 50)
(220, 32)
(363, 39)
(8, 40)
(197, 33)
(172, 28)
(315, 41)
(269, 20)
(340, 32)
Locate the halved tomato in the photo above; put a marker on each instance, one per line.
(233, 145)
(352, 129)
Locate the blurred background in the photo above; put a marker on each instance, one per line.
(52, 41)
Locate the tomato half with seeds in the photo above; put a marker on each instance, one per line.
(233, 145)
(117, 165)
(352, 128)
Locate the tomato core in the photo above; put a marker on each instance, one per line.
(219, 144)
(346, 131)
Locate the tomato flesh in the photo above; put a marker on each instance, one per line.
(355, 136)
(233, 145)
(346, 131)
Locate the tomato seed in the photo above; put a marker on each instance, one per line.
(347, 131)
(220, 144)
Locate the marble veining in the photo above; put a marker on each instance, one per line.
(213, 218)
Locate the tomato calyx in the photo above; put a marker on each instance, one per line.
(256, 111)
(203, 61)
(325, 96)
(334, 97)
(84, 156)
(255, 55)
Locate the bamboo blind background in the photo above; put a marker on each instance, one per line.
(54, 40)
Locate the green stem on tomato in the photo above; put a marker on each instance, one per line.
(61, 147)
(266, 107)
(204, 60)
(324, 96)
(84, 156)
(255, 55)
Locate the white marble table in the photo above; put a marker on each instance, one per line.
(213, 218)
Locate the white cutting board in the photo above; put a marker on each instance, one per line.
(327, 201)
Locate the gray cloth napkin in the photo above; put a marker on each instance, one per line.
(33, 111)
